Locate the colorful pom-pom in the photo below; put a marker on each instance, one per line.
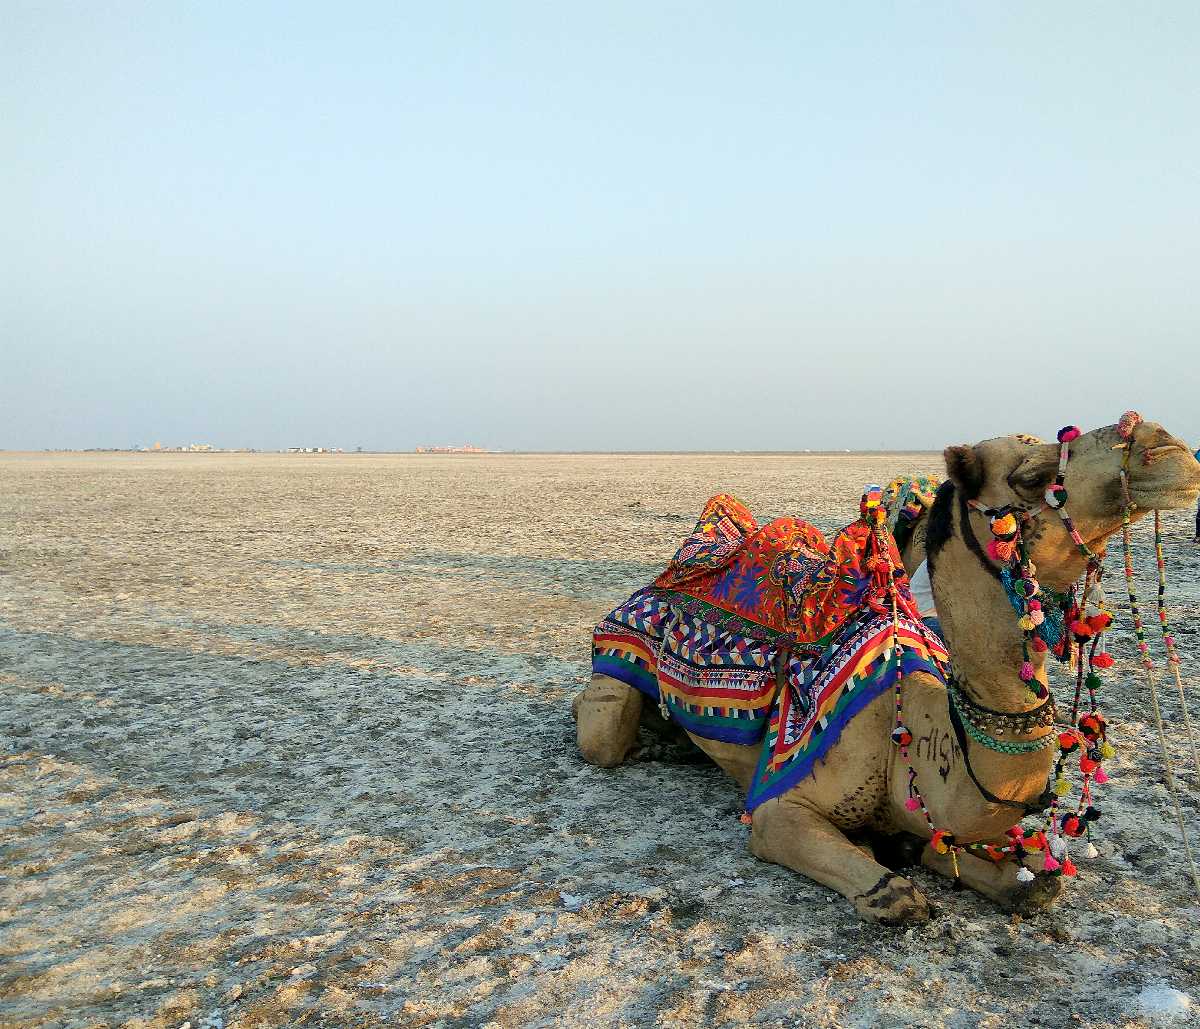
(1004, 525)
(995, 550)
(1026, 671)
(1056, 495)
(1091, 851)
(1068, 867)
(1103, 660)
(1100, 777)
(1069, 433)
(1062, 787)
(1129, 421)
(912, 804)
(1050, 863)
(1024, 875)
(942, 841)
(1039, 645)
(901, 736)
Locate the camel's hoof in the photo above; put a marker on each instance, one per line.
(1028, 898)
(893, 900)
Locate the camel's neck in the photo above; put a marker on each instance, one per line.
(978, 620)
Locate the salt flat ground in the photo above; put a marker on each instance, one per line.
(286, 740)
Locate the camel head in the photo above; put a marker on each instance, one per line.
(1015, 471)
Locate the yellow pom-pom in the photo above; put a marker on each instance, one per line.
(1004, 525)
(1025, 622)
(1107, 750)
(1062, 787)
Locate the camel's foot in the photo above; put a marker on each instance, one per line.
(998, 882)
(1029, 898)
(790, 834)
(893, 900)
(606, 719)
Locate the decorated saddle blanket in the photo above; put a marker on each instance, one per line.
(769, 635)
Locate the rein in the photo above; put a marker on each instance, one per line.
(1086, 735)
(972, 721)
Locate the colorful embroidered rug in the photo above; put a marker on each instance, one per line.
(782, 577)
(709, 646)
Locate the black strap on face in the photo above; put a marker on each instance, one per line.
(971, 540)
(1040, 804)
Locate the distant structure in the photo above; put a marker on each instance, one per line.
(315, 450)
(466, 448)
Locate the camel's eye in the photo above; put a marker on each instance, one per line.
(1033, 474)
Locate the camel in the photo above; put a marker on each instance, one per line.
(832, 824)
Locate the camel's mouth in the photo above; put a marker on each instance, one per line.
(1164, 499)
(1165, 478)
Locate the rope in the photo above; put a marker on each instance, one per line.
(1147, 669)
(1169, 637)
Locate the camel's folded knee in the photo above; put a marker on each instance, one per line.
(606, 718)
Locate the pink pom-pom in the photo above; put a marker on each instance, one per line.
(912, 803)
(1068, 433)
(1051, 863)
(1101, 776)
(1026, 672)
(1037, 617)
(1130, 420)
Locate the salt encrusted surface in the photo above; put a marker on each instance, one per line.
(286, 741)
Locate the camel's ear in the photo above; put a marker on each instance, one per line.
(965, 468)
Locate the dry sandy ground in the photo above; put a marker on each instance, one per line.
(286, 740)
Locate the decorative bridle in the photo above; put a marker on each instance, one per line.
(1084, 735)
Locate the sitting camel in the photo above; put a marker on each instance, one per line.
(860, 793)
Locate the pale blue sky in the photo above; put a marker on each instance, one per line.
(596, 226)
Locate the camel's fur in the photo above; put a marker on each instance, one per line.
(818, 827)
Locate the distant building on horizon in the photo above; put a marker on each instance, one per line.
(466, 448)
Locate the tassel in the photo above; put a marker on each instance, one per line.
(1068, 867)
(1051, 863)
(1091, 851)
(1101, 777)
(1024, 875)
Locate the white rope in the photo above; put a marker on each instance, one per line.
(1147, 666)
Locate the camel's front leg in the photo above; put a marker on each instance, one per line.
(997, 882)
(606, 721)
(788, 833)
